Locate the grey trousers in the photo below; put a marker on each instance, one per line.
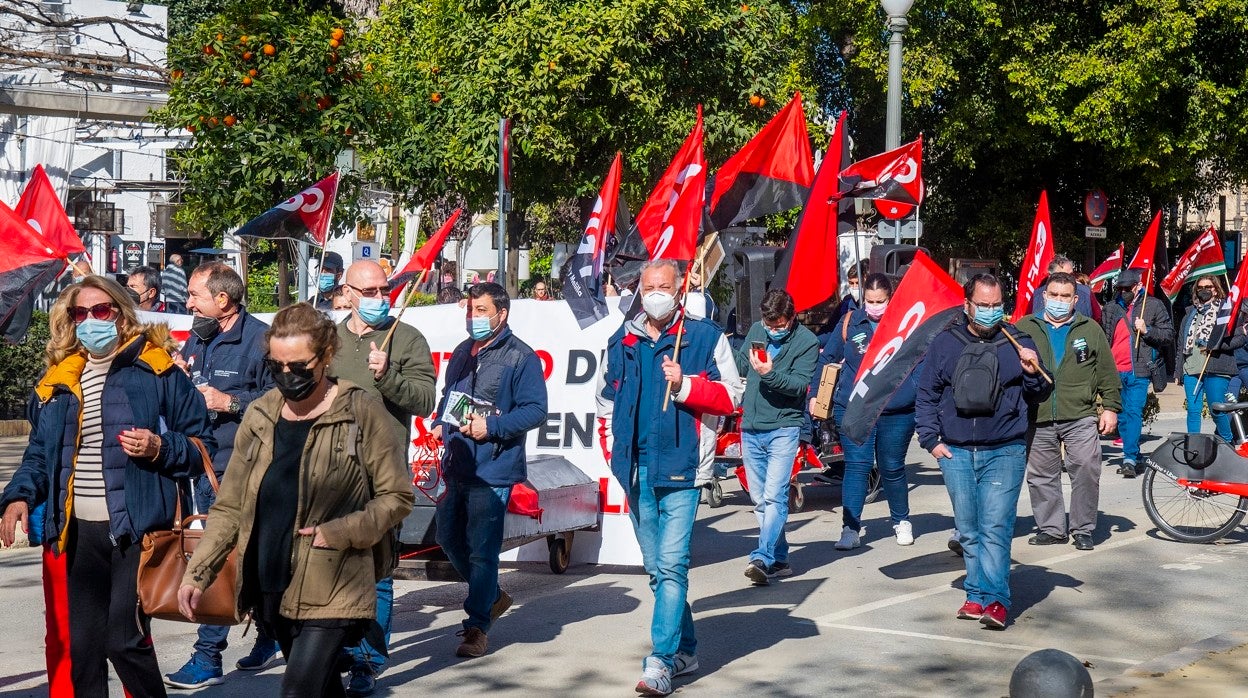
(1044, 475)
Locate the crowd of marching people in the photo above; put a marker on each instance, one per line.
(293, 435)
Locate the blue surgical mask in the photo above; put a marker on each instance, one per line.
(989, 317)
(374, 311)
(98, 337)
(325, 282)
(777, 335)
(479, 327)
(1058, 310)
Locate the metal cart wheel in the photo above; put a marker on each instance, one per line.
(797, 498)
(560, 552)
(715, 494)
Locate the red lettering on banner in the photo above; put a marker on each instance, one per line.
(604, 499)
(548, 363)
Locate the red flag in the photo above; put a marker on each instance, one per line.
(423, 259)
(1036, 263)
(925, 302)
(582, 284)
(896, 175)
(812, 257)
(41, 208)
(27, 264)
(1147, 251)
(772, 173)
(1228, 313)
(1109, 269)
(1203, 256)
(669, 220)
(310, 210)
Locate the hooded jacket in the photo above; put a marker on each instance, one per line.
(143, 389)
(353, 483)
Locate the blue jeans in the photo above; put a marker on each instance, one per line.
(983, 485)
(364, 653)
(1131, 420)
(886, 447)
(1211, 388)
(470, 531)
(768, 457)
(663, 521)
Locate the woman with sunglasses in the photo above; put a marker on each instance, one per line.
(1206, 370)
(311, 553)
(111, 423)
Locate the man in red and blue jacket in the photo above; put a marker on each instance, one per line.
(662, 457)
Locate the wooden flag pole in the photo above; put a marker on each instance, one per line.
(1019, 347)
(680, 327)
(1143, 304)
(1201, 378)
(403, 301)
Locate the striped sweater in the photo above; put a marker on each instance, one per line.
(89, 503)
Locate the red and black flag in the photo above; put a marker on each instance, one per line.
(422, 261)
(307, 213)
(808, 270)
(1036, 263)
(896, 175)
(669, 220)
(27, 264)
(41, 208)
(926, 301)
(772, 173)
(582, 281)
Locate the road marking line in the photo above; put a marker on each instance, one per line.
(966, 641)
(915, 595)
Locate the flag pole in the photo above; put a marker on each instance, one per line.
(1019, 348)
(1201, 378)
(680, 328)
(1143, 304)
(403, 301)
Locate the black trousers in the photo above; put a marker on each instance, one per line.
(311, 649)
(104, 623)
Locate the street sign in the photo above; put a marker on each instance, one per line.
(364, 250)
(1093, 231)
(132, 255)
(1095, 207)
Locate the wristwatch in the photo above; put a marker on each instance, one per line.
(236, 405)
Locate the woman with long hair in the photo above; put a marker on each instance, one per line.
(1207, 370)
(311, 552)
(111, 423)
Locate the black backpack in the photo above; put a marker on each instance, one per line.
(976, 377)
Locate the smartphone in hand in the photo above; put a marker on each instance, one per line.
(760, 351)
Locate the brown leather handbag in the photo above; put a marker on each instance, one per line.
(163, 560)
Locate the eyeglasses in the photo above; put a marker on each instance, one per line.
(1204, 288)
(99, 311)
(988, 306)
(275, 367)
(374, 292)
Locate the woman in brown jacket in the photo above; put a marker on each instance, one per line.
(317, 480)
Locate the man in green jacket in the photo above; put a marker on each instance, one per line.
(777, 359)
(1083, 369)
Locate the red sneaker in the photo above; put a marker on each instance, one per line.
(970, 611)
(1118, 443)
(994, 616)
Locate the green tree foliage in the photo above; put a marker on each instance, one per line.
(272, 97)
(22, 365)
(581, 79)
(1138, 98)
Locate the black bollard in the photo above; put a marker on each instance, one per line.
(1050, 674)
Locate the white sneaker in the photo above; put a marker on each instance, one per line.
(904, 533)
(850, 539)
(685, 664)
(656, 680)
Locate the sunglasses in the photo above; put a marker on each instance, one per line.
(1204, 288)
(275, 367)
(374, 292)
(99, 311)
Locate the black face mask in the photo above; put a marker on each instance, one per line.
(134, 295)
(1204, 295)
(205, 328)
(295, 385)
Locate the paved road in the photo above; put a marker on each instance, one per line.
(878, 620)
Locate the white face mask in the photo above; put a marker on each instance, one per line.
(659, 305)
(855, 292)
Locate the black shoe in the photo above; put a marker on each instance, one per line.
(955, 545)
(1127, 470)
(756, 572)
(1083, 541)
(1043, 538)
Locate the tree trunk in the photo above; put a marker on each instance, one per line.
(283, 273)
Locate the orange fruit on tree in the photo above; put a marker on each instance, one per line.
(176, 74)
(436, 97)
(334, 43)
(745, 8)
(247, 81)
(247, 55)
(212, 121)
(230, 120)
(242, 39)
(435, 70)
(269, 49)
(253, 72)
(220, 37)
(208, 51)
(551, 65)
(762, 102)
(329, 69)
(337, 34)
(754, 100)
(190, 127)
(368, 67)
(323, 102)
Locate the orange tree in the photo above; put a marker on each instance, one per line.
(580, 79)
(272, 93)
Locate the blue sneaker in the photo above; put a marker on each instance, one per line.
(196, 673)
(263, 655)
(363, 681)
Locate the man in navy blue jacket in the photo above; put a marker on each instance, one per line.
(224, 358)
(661, 455)
(494, 395)
(982, 452)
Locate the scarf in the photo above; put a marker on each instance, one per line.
(1202, 325)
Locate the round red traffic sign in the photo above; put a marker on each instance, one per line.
(892, 210)
(1095, 207)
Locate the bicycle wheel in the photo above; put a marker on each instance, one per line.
(873, 485)
(1190, 514)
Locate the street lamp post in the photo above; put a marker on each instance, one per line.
(897, 24)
